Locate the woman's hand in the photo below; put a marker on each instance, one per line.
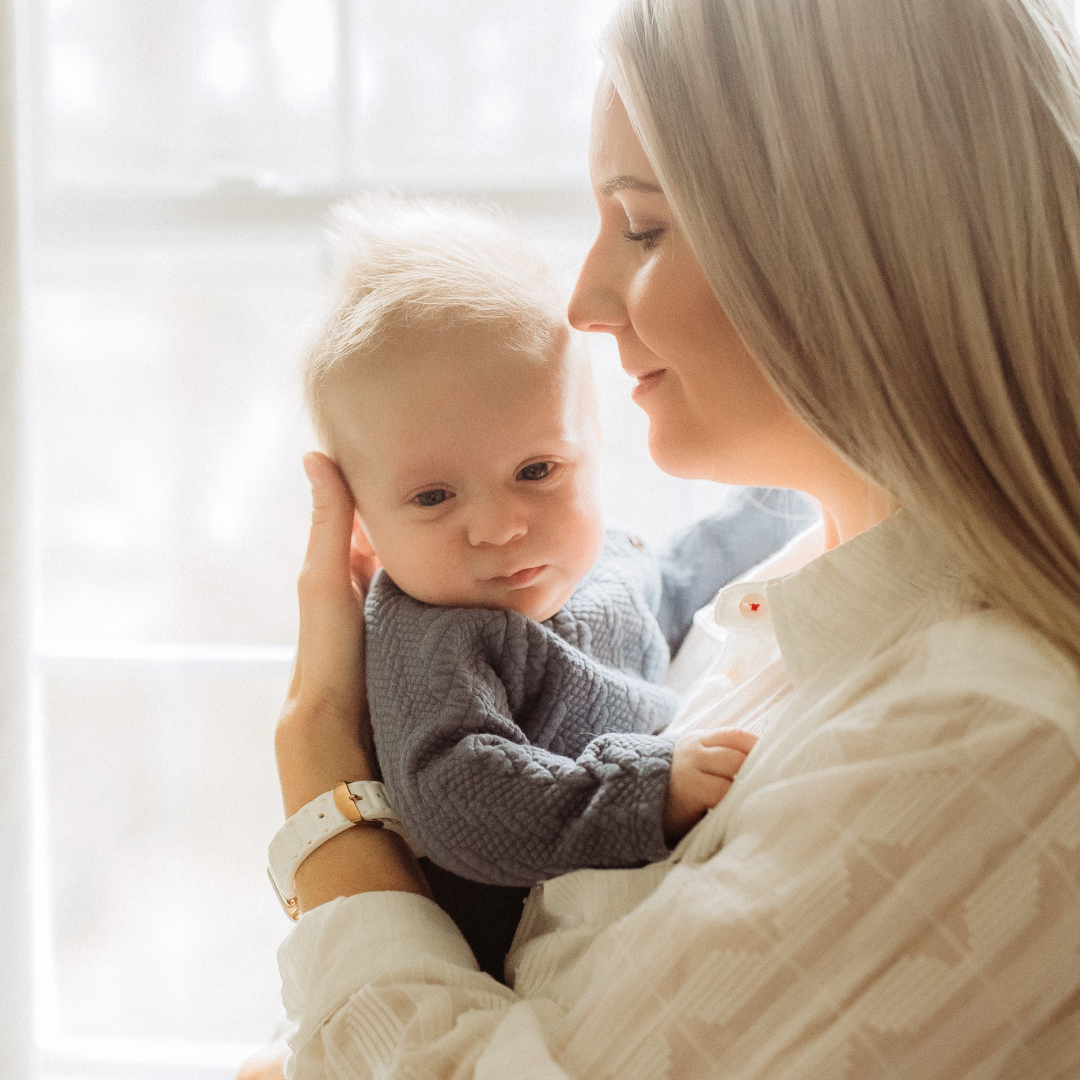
(324, 733)
(265, 1064)
(703, 766)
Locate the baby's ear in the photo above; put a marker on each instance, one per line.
(360, 539)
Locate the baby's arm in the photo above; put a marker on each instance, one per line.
(703, 765)
(511, 755)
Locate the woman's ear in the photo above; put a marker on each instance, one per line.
(360, 539)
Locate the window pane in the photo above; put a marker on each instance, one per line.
(161, 803)
(153, 95)
(169, 431)
(462, 93)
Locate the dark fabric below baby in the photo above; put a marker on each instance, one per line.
(486, 915)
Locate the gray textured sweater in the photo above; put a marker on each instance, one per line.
(514, 750)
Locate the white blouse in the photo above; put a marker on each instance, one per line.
(890, 889)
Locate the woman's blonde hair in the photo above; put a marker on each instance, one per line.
(885, 197)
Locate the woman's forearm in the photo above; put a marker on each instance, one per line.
(315, 752)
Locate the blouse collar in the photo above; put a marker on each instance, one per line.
(836, 607)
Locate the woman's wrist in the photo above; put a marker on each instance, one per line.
(361, 859)
(315, 753)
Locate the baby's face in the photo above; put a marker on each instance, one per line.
(474, 470)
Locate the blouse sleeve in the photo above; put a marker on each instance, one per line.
(897, 895)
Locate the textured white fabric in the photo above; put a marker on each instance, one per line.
(890, 889)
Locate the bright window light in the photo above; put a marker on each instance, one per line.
(184, 159)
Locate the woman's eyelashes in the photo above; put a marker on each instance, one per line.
(648, 238)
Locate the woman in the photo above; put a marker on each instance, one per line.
(840, 251)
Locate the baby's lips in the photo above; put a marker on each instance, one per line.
(520, 578)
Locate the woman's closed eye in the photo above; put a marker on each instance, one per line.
(434, 497)
(648, 238)
(538, 470)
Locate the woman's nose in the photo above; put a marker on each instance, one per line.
(597, 303)
(496, 522)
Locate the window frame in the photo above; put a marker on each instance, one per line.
(16, 944)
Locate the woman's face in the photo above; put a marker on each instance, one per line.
(711, 412)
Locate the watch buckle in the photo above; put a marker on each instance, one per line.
(345, 801)
(290, 907)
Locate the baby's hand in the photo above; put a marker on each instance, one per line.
(703, 765)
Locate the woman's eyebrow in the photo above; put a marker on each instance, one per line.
(630, 183)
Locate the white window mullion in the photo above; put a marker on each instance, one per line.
(16, 983)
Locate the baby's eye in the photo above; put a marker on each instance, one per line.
(432, 497)
(536, 471)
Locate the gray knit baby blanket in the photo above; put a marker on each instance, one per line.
(513, 750)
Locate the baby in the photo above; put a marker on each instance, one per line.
(514, 660)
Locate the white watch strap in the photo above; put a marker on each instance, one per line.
(321, 819)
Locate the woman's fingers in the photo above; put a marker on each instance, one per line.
(326, 563)
(330, 652)
(323, 735)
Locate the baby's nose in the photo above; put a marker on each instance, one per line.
(496, 523)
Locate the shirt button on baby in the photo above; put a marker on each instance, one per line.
(752, 606)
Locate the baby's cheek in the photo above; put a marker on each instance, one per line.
(444, 588)
(588, 540)
(429, 575)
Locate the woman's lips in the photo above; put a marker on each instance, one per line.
(521, 578)
(646, 382)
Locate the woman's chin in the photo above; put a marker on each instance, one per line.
(677, 458)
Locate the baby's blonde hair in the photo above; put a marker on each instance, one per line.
(407, 266)
(885, 197)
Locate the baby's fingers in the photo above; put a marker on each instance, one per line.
(710, 789)
(721, 761)
(733, 738)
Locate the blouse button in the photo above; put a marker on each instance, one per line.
(733, 669)
(752, 606)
